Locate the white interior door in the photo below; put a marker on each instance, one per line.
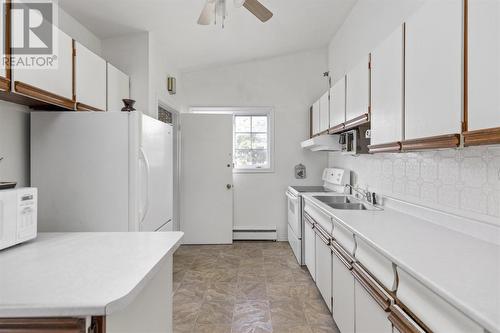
(157, 177)
(206, 178)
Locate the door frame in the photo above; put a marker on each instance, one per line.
(176, 145)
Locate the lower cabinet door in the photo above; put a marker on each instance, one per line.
(343, 296)
(370, 317)
(310, 249)
(324, 271)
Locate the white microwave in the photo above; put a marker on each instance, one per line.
(18, 216)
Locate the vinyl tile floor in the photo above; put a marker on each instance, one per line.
(247, 287)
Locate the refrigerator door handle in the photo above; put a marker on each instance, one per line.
(146, 201)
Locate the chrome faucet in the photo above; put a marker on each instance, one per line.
(369, 196)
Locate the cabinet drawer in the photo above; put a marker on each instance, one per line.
(344, 237)
(319, 217)
(432, 310)
(380, 267)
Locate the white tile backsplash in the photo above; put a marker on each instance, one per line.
(462, 181)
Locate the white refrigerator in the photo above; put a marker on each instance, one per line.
(102, 171)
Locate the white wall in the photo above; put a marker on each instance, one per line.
(464, 182)
(130, 53)
(159, 70)
(290, 84)
(77, 31)
(14, 143)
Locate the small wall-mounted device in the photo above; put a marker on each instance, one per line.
(171, 85)
(300, 171)
(354, 142)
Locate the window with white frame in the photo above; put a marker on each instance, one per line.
(252, 142)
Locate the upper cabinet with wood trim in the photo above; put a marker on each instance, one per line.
(337, 105)
(483, 36)
(90, 79)
(324, 112)
(315, 119)
(387, 110)
(4, 75)
(433, 92)
(118, 88)
(358, 91)
(51, 85)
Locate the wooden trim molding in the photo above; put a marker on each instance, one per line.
(42, 325)
(336, 129)
(347, 256)
(465, 123)
(489, 136)
(402, 321)
(42, 95)
(435, 142)
(98, 325)
(363, 119)
(308, 220)
(393, 147)
(4, 84)
(375, 291)
(322, 234)
(345, 260)
(85, 107)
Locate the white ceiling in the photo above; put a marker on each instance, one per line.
(297, 25)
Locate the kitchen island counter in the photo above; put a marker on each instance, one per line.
(88, 274)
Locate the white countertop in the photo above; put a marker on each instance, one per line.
(462, 269)
(80, 274)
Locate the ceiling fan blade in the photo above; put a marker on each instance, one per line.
(258, 9)
(207, 14)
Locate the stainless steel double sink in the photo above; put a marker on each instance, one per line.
(344, 202)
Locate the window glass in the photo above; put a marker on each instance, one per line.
(251, 142)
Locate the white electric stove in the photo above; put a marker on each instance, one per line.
(335, 181)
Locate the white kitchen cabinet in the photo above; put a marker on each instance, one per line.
(90, 79)
(53, 85)
(315, 122)
(370, 317)
(118, 88)
(310, 249)
(337, 103)
(3, 71)
(387, 90)
(324, 269)
(343, 295)
(324, 112)
(434, 69)
(484, 67)
(358, 90)
(432, 310)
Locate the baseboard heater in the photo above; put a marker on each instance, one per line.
(255, 233)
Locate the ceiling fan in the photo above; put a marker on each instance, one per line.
(216, 9)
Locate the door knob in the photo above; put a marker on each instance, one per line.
(229, 186)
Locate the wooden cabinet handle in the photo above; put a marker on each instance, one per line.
(401, 321)
(341, 258)
(373, 289)
(321, 234)
(342, 252)
(309, 219)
